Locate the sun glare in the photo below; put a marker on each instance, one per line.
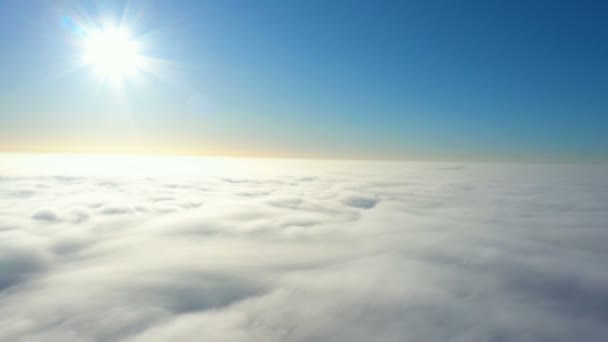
(112, 53)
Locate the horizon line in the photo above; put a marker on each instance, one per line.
(476, 159)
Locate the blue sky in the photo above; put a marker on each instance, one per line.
(498, 80)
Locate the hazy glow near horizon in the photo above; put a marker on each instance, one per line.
(167, 166)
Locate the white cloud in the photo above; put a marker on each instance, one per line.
(306, 251)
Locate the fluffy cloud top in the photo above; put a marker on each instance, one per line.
(276, 250)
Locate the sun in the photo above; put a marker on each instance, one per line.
(112, 53)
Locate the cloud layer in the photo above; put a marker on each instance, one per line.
(306, 251)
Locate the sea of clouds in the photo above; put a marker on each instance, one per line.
(182, 249)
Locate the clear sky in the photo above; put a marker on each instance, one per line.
(496, 80)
